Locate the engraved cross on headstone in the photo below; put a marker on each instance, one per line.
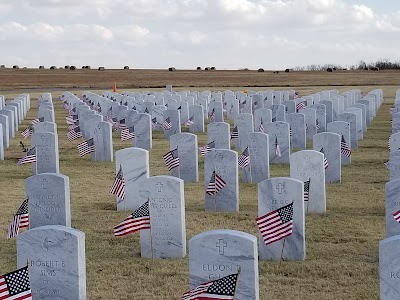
(280, 188)
(159, 186)
(44, 184)
(221, 245)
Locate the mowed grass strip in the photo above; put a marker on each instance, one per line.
(342, 245)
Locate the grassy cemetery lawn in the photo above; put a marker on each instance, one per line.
(341, 245)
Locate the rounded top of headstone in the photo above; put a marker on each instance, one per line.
(223, 232)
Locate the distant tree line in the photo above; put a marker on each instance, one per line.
(383, 64)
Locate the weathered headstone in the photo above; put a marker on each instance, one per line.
(47, 160)
(188, 156)
(389, 268)
(244, 123)
(167, 216)
(394, 164)
(392, 189)
(219, 133)
(57, 263)
(394, 142)
(343, 129)
(218, 253)
(330, 143)
(262, 116)
(1, 143)
(273, 194)
(297, 126)
(143, 131)
(175, 120)
(309, 165)
(196, 111)
(45, 127)
(11, 122)
(6, 129)
(278, 113)
(102, 137)
(351, 119)
(311, 122)
(279, 142)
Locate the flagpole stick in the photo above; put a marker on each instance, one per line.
(283, 247)
(251, 177)
(237, 280)
(151, 237)
(308, 202)
(215, 190)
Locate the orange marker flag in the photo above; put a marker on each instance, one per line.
(115, 87)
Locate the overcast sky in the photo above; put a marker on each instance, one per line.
(227, 34)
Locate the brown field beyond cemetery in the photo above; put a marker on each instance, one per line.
(342, 245)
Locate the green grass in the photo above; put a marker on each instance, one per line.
(342, 245)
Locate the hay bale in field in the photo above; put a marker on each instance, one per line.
(171, 69)
(213, 68)
(329, 70)
(73, 68)
(41, 67)
(2, 67)
(207, 69)
(126, 68)
(66, 67)
(374, 69)
(260, 70)
(15, 67)
(53, 67)
(287, 70)
(101, 69)
(198, 68)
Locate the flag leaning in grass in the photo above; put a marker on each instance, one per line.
(207, 148)
(138, 220)
(261, 128)
(128, 133)
(212, 115)
(86, 147)
(277, 148)
(38, 120)
(325, 160)
(15, 285)
(20, 220)
(306, 189)
(244, 158)
(277, 224)
(387, 165)
(189, 121)
(74, 133)
(118, 187)
(215, 185)
(219, 289)
(27, 132)
(171, 159)
(396, 216)
(344, 148)
(235, 133)
(167, 125)
(29, 157)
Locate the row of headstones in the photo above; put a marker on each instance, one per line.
(12, 113)
(389, 264)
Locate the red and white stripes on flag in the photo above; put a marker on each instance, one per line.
(235, 133)
(86, 147)
(396, 216)
(325, 160)
(277, 224)
(70, 119)
(207, 148)
(212, 115)
(29, 157)
(118, 187)
(74, 133)
(216, 184)
(20, 220)
(128, 133)
(167, 125)
(261, 128)
(344, 148)
(38, 120)
(27, 132)
(306, 189)
(300, 106)
(190, 121)
(171, 159)
(15, 285)
(138, 220)
(277, 148)
(244, 158)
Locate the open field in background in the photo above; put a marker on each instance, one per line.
(342, 245)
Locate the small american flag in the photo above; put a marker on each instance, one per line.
(325, 160)
(121, 125)
(74, 133)
(241, 105)
(38, 120)
(15, 285)
(65, 105)
(206, 148)
(27, 132)
(235, 133)
(126, 103)
(261, 128)
(290, 132)
(29, 157)
(167, 125)
(98, 108)
(277, 224)
(71, 119)
(212, 115)
(128, 133)
(244, 158)
(86, 147)
(171, 159)
(300, 106)
(277, 148)
(219, 289)
(306, 189)
(387, 165)
(274, 119)
(20, 220)
(317, 124)
(146, 110)
(396, 216)
(138, 220)
(189, 121)
(344, 148)
(72, 126)
(215, 185)
(389, 144)
(72, 111)
(154, 122)
(109, 115)
(118, 187)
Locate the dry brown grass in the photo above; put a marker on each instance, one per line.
(342, 245)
